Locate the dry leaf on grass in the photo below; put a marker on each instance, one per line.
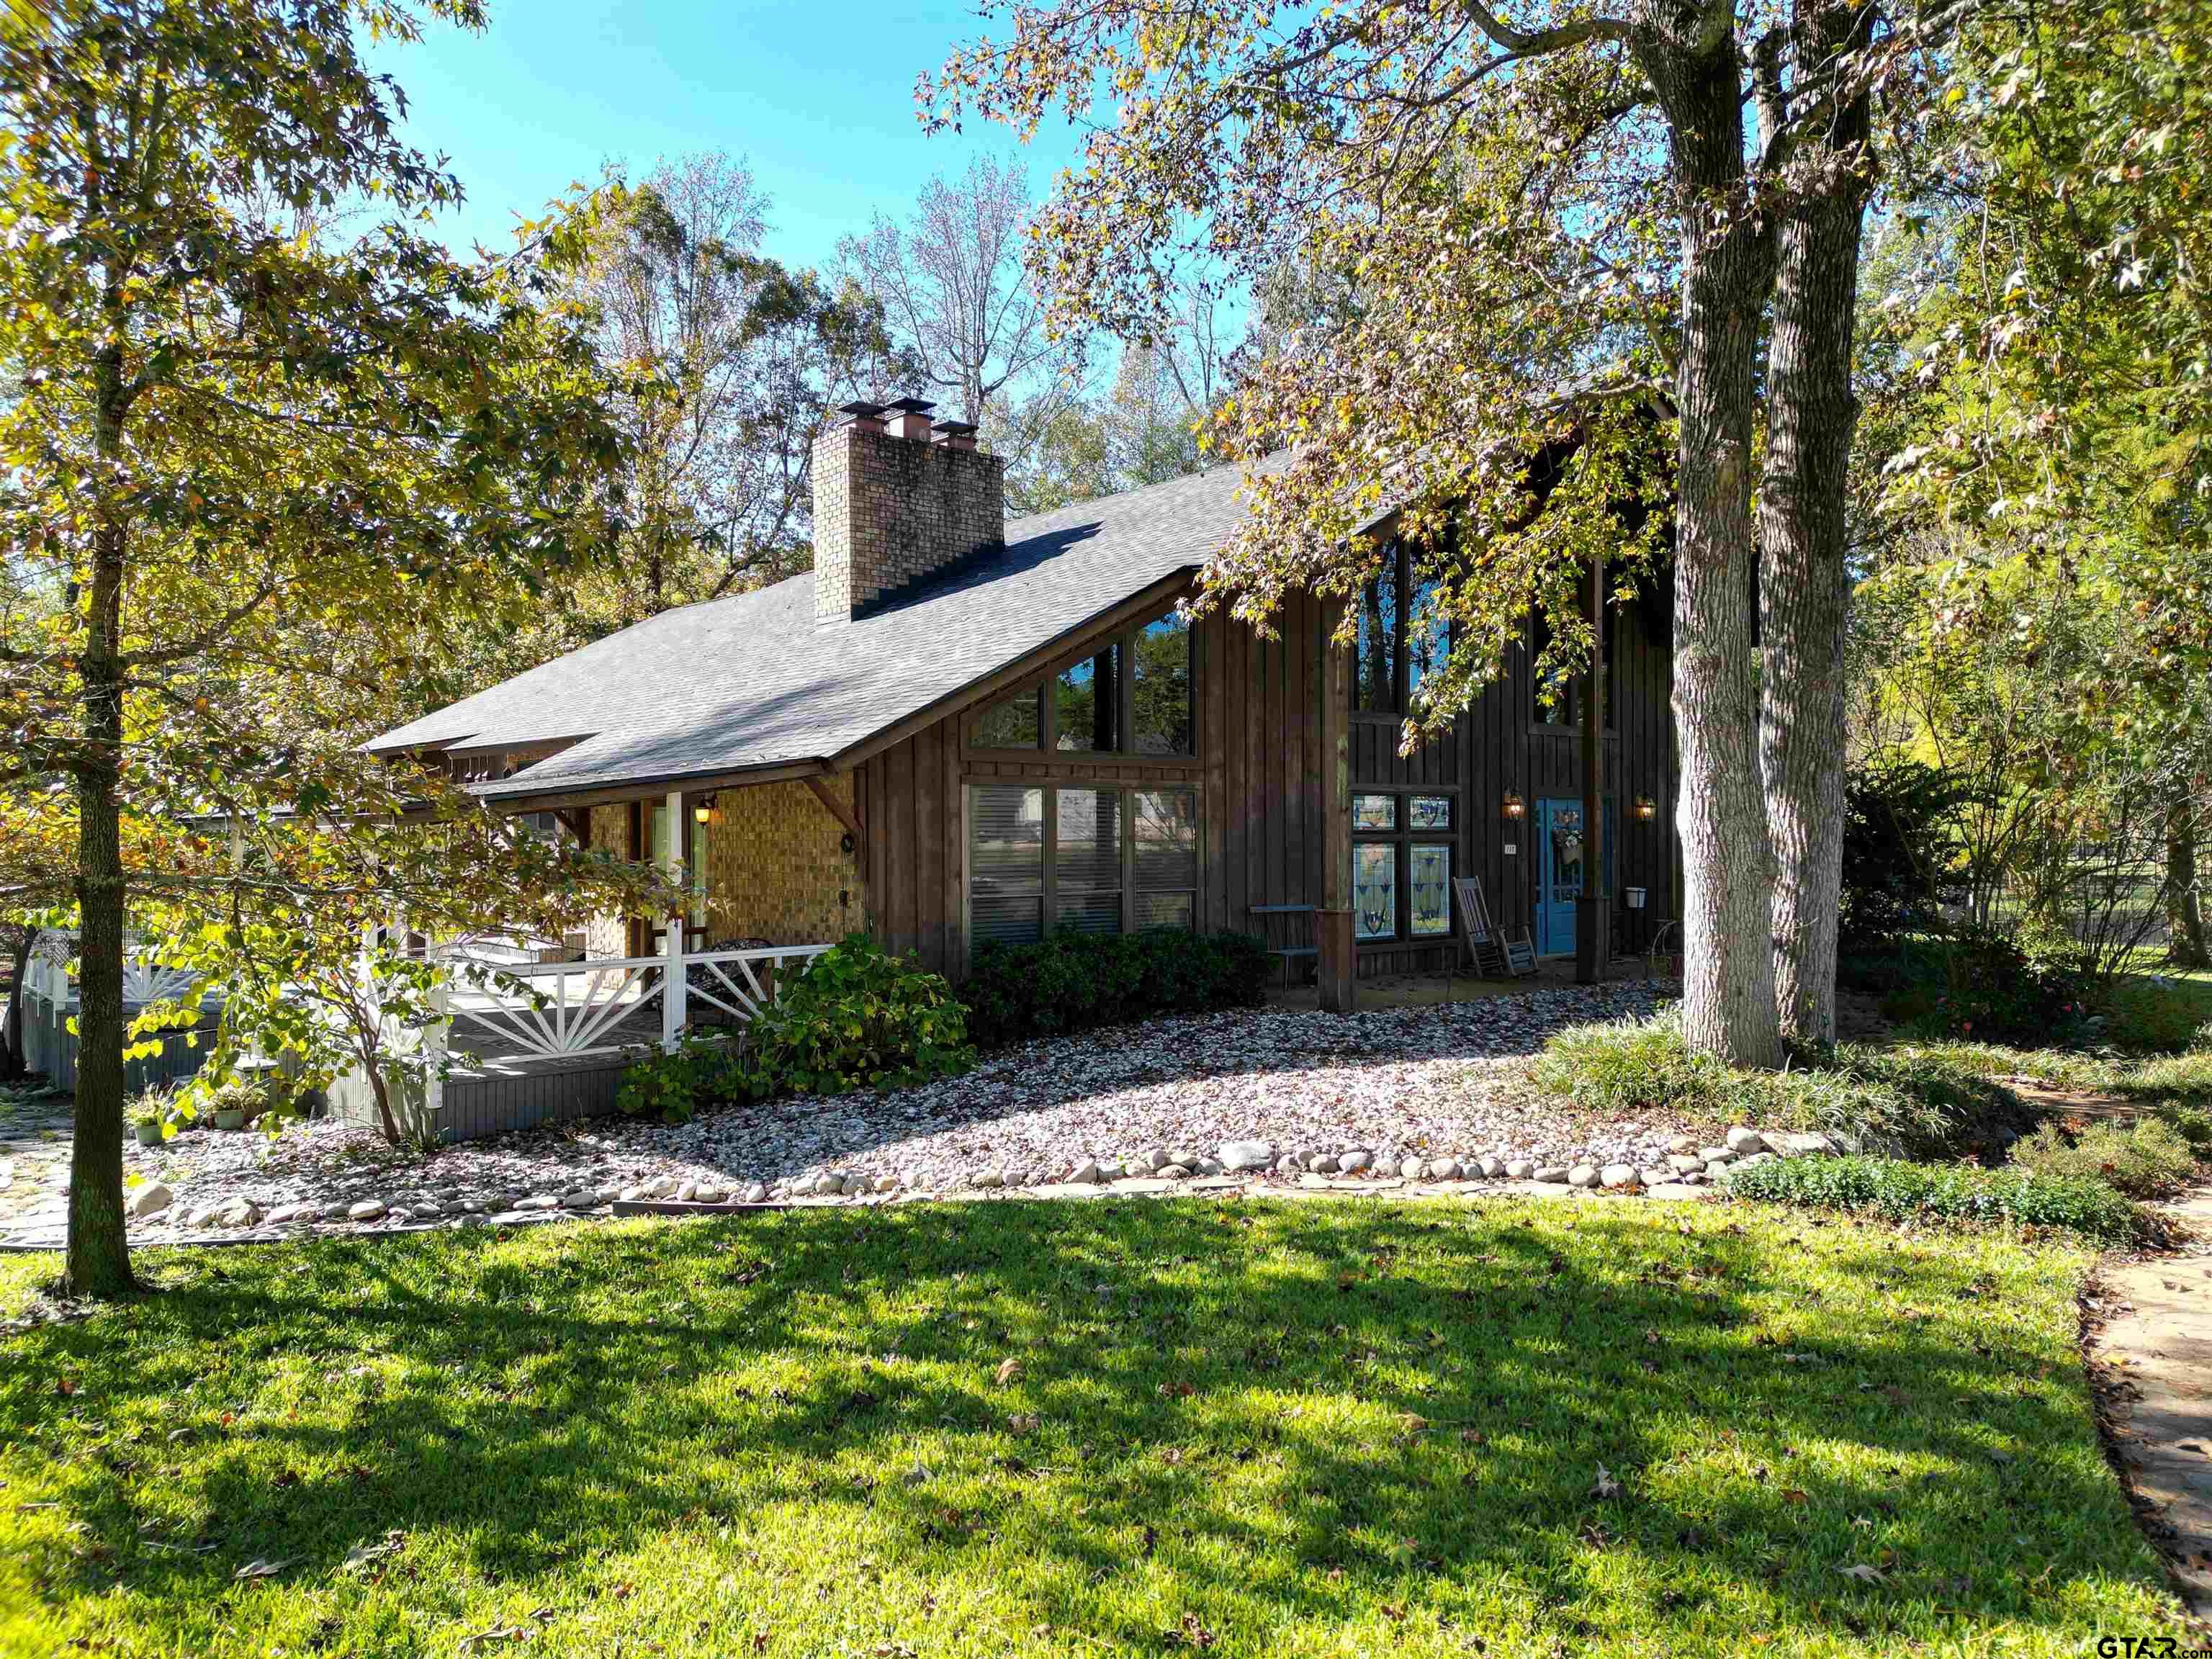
(1864, 1574)
(260, 1567)
(1605, 1486)
(1009, 1371)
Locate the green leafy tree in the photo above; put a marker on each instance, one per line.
(248, 464)
(2042, 417)
(1525, 232)
(733, 364)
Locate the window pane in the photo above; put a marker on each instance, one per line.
(1159, 698)
(1555, 698)
(1166, 840)
(1091, 913)
(1085, 703)
(1008, 920)
(1009, 724)
(1006, 862)
(1429, 812)
(1428, 638)
(1375, 891)
(1374, 684)
(1375, 811)
(1088, 856)
(1164, 911)
(1429, 890)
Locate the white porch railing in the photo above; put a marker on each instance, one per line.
(570, 1010)
(47, 976)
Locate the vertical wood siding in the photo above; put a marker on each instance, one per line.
(1257, 716)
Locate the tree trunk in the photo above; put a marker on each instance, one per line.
(98, 1261)
(1804, 582)
(2185, 899)
(1728, 864)
(14, 1061)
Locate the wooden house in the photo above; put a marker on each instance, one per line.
(956, 729)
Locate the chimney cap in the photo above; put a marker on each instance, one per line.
(954, 429)
(909, 406)
(862, 410)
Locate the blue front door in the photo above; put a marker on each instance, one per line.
(1559, 874)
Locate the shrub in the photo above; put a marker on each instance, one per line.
(1916, 1102)
(1624, 1065)
(2000, 986)
(1919, 1192)
(2154, 1015)
(263, 1095)
(1073, 981)
(1898, 820)
(673, 1084)
(2147, 1159)
(1886, 1099)
(859, 1018)
(2180, 1084)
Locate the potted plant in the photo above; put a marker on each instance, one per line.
(233, 1101)
(148, 1124)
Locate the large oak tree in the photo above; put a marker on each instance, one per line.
(1544, 225)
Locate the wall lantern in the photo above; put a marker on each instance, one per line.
(1646, 809)
(1514, 808)
(707, 812)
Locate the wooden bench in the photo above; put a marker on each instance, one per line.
(1277, 934)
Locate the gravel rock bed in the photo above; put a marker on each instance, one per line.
(1431, 1094)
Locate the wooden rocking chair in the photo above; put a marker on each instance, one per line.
(1498, 954)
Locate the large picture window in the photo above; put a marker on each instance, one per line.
(1159, 689)
(1086, 701)
(1558, 696)
(1096, 861)
(1400, 640)
(1131, 696)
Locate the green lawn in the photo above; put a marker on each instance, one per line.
(1127, 1428)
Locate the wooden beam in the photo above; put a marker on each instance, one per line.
(838, 809)
(1593, 923)
(1333, 930)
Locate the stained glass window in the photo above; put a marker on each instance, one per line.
(1375, 889)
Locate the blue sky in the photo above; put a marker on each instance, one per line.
(818, 99)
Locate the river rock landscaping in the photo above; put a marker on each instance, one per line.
(1432, 1096)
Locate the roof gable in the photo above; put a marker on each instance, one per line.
(750, 681)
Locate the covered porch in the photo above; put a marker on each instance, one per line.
(541, 1031)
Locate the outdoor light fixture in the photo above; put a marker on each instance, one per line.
(703, 813)
(1646, 809)
(1514, 809)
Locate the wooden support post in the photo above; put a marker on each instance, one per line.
(1593, 918)
(436, 1036)
(673, 1015)
(1333, 925)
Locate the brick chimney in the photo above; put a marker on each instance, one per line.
(897, 499)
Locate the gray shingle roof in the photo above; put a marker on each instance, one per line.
(750, 681)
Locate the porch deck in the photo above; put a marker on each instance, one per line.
(530, 1042)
